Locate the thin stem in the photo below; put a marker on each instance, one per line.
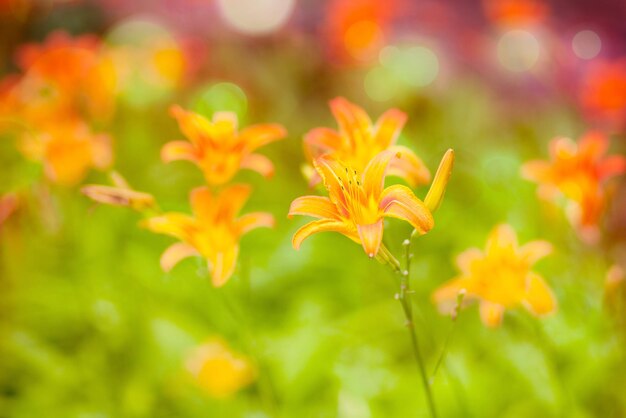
(402, 297)
(444, 351)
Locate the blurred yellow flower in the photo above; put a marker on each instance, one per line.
(68, 149)
(500, 277)
(358, 141)
(358, 202)
(213, 232)
(218, 370)
(218, 148)
(579, 172)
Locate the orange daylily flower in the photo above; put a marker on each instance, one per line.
(213, 232)
(359, 140)
(218, 148)
(68, 149)
(500, 277)
(358, 202)
(218, 370)
(27, 54)
(579, 172)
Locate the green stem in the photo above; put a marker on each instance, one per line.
(402, 297)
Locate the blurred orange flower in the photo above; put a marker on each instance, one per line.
(603, 93)
(120, 194)
(218, 370)
(68, 149)
(27, 54)
(516, 12)
(8, 204)
(358, 202)
(359, 140)
(500, 277)
(213, 232)
(357, 29)
(579, 172)
(218, 148)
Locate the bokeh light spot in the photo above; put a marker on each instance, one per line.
(518, 50)
(363, 39)
(417, 66)
(586, 44)
(221, 97)
(256, 17)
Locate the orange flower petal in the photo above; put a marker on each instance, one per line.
(257, 136)
(352, 120)
(593, 145)
(322, 225)
(371, 236)
(117, 196)
(535, 250)
(399, 202)
(322, 139)
(194, 127)
(315, 206)
(202, 203)
(445, 296)
(174, 224)
(537, 171)
(612, 166)
(222, 265)
(491, 313)
(501, 236)
(467, 258)
(178, 150)
(388, 127)
(539, 297)
(437, 190)
(327, 168)
(259, 163)
(232, 199)
(175, 253)
(408, 166)
(373, 177)
(250, 221)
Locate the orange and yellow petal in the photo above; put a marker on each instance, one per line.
(539, 298)
(537, 171)
(315, 206)
(437, 190)
(194, 127)
(175, 253)
(445, 296)
(408, 166)
(353, 121)
(593, 145)
(259, 163)
(178, 150)
(175, 224)
(612, 166)
(257, 136)
(388, 127)
(373, 177)
(222, 265)
(231, 200)
(534, 251)
(371, 236)
(399, 202)
(491, 313)
(502, 236)
(250, 221)
(467, 258)
(322, 139)
(322, 225)
(118, 196)
(202, 203)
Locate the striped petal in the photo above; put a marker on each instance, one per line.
(322, 139)
(195, 127)
(437, 190)
(374, 174)
(322, 225)
(399, 202)
(176, 253)
(315, 206)
(388, 127)
(352, 120)
(371, 236)
(539, 297)
(178, 150)
(259, 163)
(250, 221)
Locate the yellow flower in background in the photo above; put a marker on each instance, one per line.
(68, 149)
(217, 147)
(500, 277)
(358, 202)
(218, 370)
(359, 140)
(213, 232)
(578, 172)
